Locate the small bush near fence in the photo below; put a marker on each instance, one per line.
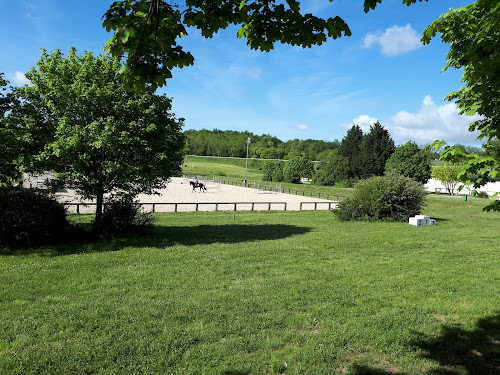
(390, 198)
(122, 216)
(482, 194)
(29, 218)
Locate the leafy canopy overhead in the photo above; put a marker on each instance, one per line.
(473, 34)
(146, 32)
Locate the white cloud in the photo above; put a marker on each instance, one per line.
(429, 123)
(395, 40)
(364, 122)
(301, 127)
(17, 79)
(432, 122)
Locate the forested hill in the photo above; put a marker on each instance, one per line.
(232, 143)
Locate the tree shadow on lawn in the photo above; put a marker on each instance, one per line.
(84, 240)
(457, 350)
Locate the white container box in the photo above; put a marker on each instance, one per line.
(426, 219)
(415, 221)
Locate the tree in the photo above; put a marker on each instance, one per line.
(8, 150)
(101, 138)
(473, 34)
(273, 171)
(336, 169)
(350, 148)
(410, 161)
(296, 168)
(448, 175)
(376, 148)
(147, 31)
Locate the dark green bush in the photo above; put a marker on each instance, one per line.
(391, 198)
(296, 168)
(336, 169)
(272, 171)
(482, 194)
(122, 216)
(29, 218)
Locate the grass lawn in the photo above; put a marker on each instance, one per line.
(266, 293)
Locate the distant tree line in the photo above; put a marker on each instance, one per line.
(234, 144)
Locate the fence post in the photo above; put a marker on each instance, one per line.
(269, 206)
(153, 207)
(196, 207)
(235, 206)
(315, 206)
(253, 205)
(175, 209)
(300, 209)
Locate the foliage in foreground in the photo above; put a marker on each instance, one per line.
(29, 218)
(147, 31)
(390, 198)
(473, 35)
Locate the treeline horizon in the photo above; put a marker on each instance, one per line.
(232, 143)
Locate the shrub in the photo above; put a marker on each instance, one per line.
(335, 170)
(273, 171)
(482, 194)
(391, 198)
(122, 216)
(349, 183)
(29, 218)
(296, 168)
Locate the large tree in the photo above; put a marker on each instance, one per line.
(376, 148)
(473, 34)
(147, 31)
(8, 151)
(410, 161)
(350, 148)
(100, 138)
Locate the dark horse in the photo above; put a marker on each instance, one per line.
(197, 185)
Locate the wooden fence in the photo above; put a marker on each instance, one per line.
(196, 205)
(217, 205)
(283, 190)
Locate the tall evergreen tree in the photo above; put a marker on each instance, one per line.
(376, 148)
(350, 147)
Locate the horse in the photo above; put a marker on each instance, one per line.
(197, 185)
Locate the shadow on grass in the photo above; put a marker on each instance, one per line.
(457, 350)
(83, 240)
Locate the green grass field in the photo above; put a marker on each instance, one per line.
(266, 293)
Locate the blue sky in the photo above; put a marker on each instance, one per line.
(382, 72)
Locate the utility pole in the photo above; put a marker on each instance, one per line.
(246, 169)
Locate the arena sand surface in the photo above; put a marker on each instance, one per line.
(179, 191)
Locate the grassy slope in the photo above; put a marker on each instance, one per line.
(290, 292)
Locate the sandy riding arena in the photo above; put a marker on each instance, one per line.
(179, 196)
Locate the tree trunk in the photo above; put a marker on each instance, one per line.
(98, 210)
